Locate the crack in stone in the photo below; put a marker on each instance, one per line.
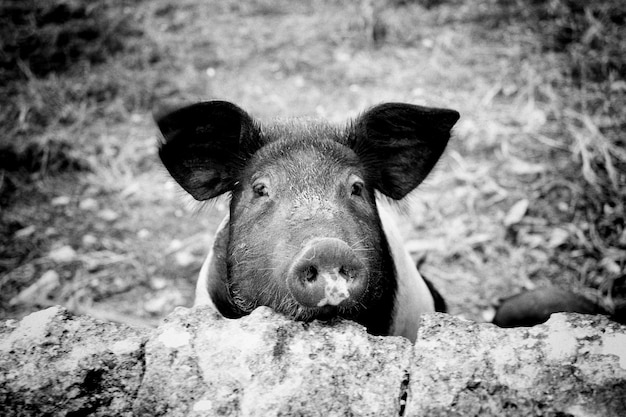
(141, 358)
(404, 392)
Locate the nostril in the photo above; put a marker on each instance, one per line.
(309, 273)
(346, 272)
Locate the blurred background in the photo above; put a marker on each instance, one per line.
(531, 192)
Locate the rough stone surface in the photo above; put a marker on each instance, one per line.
(265, 364)
(52, 363)
(199, 364)
(573, 365)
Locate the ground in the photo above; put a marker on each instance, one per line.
(97, 225)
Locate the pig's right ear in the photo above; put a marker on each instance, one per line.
(400, 144)
(204, 146)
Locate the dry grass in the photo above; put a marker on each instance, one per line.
(531, 192)
(54, 85)
(39, 37)
(589, 40)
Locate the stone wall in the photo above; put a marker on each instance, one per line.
(198, 364)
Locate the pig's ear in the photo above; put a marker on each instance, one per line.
(204, 146)
(400, 144)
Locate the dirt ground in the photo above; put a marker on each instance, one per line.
(116, 238)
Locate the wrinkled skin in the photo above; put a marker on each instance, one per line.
(296, 184)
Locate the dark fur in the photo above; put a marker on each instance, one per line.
(215, 147)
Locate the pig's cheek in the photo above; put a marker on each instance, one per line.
(281, 259)
(239, 253)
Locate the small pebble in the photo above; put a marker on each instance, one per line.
(184, 258)
(158, 283)
(62, 200)
(174, 245)
(88, 204)
(108, 215)
(89, 240)
(62, 254)
(143, 234)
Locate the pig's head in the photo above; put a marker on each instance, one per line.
(305, 237)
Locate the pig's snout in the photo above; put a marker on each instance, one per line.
(325, 273)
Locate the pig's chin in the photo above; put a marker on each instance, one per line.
(288, 306)
(328, 312)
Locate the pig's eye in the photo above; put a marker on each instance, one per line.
(357, 188)
(260, 190)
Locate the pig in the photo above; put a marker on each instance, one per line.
(533, 307)
(308, 232)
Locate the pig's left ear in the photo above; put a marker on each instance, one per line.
(400, 144)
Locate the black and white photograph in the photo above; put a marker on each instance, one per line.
(312, 208)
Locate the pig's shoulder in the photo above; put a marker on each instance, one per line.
(413, 298)
(211, 287)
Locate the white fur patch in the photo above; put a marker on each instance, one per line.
(203, 297)
(413, 298)
(335, 290)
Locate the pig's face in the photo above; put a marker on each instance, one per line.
(304, 234)
(305, 238)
